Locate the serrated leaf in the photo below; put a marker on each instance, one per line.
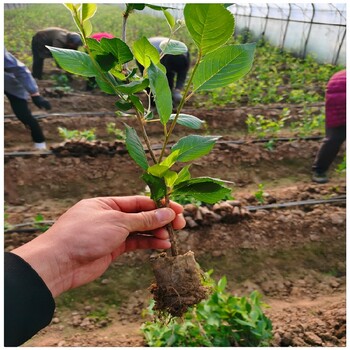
(223, 66)
(204, 189)
(170, 178)
(135, 148)
(188, 120)
(74, 61)
(118, 48)
(170, 160)
(156, 185)
(88, 11)
(137, 103)
(104, 86)
(87, 26)
(145, 52)
(94, 45)
(183, 175)
(130, 7)
(106, 61)
(158, 170)
(169, 18)
(210, 25)
(70, 7)
(173, 47)
(123, 105)
(134, 87)
(194, 146)
(161, 92)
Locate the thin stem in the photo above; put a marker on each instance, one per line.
(145, 136)
(170, 229)
(182, 102)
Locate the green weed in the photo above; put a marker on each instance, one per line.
(221, 320)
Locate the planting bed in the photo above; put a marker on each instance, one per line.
(294, 256)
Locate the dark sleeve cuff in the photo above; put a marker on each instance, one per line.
(29, 305)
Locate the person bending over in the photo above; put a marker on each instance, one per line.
(76, 250)
(177, 67)
(56, 37)
(18, 86)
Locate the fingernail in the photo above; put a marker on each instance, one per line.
(164, 215)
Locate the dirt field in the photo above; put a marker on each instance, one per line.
(295, 256)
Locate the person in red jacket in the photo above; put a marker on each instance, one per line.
(335, 126)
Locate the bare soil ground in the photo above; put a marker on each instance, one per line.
(295, 256)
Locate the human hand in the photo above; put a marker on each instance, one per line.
(40, 102)
(83, 242)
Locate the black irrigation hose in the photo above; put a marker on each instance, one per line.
(99, 113)
(68, 114)
(338, 199)
(156, 147)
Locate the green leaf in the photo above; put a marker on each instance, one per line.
(194, 146)
(71, 7)
(123, 105)
(223, 66)
(170, 160)
(73, 61)
(145, 52)
(222, 284)
(158, 170)
(204, 189)
(161, 92)
(133, 87)
(135, 148)
(137, 103)
(170, 178)
(94, 45)
(173, 47)
(169, 18)
(188, 120)
(106, 62)
(156, 185)
(183, 175)
(118, 48)
(87, 26)
(210, 25)
(130, 7)
(104, 86)
(88, 11)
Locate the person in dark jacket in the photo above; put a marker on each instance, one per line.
(76, 250)
(177, 67)
(18, 86)
(335, 126)
(56, 37)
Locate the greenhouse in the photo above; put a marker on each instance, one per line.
(175, 174)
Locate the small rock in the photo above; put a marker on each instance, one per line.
(336, 219)
(105, 281)
(61, 343)
(312, 339)
(55, 320)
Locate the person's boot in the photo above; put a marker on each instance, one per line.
(320, 178)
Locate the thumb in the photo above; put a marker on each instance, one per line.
(149, 220)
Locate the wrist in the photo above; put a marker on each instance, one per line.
(49, 264)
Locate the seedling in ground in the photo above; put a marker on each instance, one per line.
(166, 172)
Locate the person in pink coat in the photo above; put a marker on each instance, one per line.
(335, 126)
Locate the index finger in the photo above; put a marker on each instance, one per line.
(136, 204)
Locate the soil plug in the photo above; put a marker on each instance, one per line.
(178, 283)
